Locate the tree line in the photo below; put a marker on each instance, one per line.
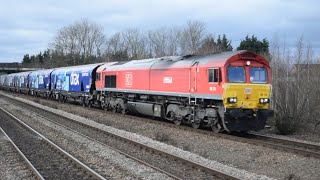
(295, 87)
(84, 42)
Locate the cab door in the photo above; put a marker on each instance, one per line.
(213, 79)
(194, 77)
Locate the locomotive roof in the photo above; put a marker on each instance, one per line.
(173, 61)
(106, 65)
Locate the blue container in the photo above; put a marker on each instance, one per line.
(74, 79)
(22, 80)
(40, 79)
(2, 79)
(9, 80)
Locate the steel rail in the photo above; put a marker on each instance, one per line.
(103, 144)
(32, 168)
(79, 163)
(303, 148)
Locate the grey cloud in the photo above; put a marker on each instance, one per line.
(28, 26)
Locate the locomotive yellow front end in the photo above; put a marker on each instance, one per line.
(246, 94)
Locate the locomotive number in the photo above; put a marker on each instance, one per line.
(74, 79)
(167, 80)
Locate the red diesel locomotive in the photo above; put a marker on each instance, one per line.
(225, 91)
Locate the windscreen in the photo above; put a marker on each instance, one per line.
(236, 74)
(258, 75)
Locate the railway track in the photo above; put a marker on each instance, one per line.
(47, 160)
(13, 155)
(174, 166)
(251, 138)
(294, 146)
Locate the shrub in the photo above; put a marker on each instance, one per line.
(286, 125)
(292, 177)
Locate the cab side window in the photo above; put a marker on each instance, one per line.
(110, 81)
(213, 75)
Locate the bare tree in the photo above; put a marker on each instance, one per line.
(159, 41)
(116, 49)
(135, 43)
(174, 36)
(192, 37)
(164, 42)
(295, 93)
(81, 39)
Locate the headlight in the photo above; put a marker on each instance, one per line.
(232, 100)
(264, 100)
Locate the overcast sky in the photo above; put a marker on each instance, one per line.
(29, 26)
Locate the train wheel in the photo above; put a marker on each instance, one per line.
(216, 127)
(90, 104)
(123, 111)
(114, 109)
(102, 105)
(195, 125)
(121, 107)
(82, 102)
(109, 108)
(178, 120)
(171, 116)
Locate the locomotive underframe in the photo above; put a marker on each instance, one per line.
(195, 111)
(208, 113)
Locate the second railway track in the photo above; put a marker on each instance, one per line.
(178, 167)
(50, 161)
(272, 154)
(306, 149)
(17, 166)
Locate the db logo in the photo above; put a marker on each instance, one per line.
(128, 79)
(74, 79)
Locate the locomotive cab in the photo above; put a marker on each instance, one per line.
(246, 95)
